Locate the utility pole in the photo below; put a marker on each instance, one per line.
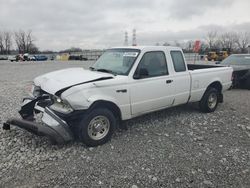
(126, 39)
(134, 43)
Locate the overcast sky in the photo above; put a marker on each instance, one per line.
(58, 24)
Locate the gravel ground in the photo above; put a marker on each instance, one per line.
(178, 147)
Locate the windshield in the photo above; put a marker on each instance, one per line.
(116, 61)
(237, 60)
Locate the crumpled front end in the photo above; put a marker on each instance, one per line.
(51, 125)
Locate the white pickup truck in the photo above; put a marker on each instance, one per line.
(124, 83)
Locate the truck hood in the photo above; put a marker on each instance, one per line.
(61, 80)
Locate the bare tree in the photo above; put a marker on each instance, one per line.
(228, 40)
(243, 41)
(1, 43)
(29, 41)
(189, 46)
(25, 41)
(20, 41)
(211, 39)
(7, 41)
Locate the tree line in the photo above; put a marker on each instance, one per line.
(233, 42)
(237, 42)
(22, 40)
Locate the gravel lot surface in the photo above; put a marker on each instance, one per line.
(178, 147)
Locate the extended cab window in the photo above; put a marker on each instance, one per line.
(178, 61)
(152, 64)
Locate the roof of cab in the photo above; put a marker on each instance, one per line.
(148, 48)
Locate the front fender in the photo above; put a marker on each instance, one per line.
(84, 99)
(125, 110)
(95, 98)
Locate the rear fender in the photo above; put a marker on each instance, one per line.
(217, 85)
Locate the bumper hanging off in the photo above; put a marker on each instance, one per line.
(52, 126)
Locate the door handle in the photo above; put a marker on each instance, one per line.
(169, 81)
(121, 91)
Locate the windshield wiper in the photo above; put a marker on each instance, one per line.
(102, 70)
(106, 70)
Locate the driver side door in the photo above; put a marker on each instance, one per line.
(152, 86)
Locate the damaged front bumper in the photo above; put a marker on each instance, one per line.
(52, 126)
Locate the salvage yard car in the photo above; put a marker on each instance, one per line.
(40, 58)
(13, 58)
(241, 69)
(124, 83)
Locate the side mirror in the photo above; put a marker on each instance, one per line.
(142, 73)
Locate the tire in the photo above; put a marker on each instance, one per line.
(91, 132)
(209, 101)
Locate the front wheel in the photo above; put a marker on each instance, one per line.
(209, 101)
(96, 127)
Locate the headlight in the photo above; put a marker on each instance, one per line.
(61, 106)
(34, 90)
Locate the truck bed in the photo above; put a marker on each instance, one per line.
(200, 66)
(203, 75)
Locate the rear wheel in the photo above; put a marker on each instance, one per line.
(96, 127)
(209, 101)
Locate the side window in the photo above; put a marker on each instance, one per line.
(152, 64)
(178, 60)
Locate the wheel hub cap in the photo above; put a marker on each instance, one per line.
(212, 100)
(98, 127)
